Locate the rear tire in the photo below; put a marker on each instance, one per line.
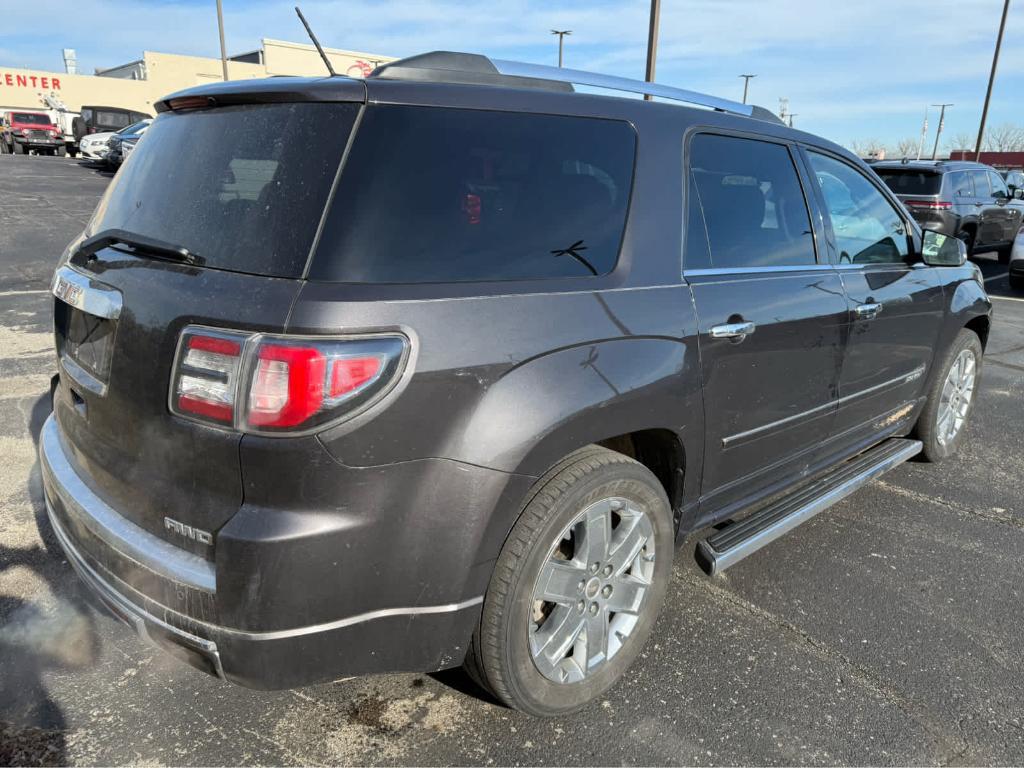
(967, 235)
(1017, 282)
(23, 149)
(62, 151)
(596, 537)
(950, 399)
(1004, 253)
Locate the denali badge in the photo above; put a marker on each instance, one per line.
(203, 537)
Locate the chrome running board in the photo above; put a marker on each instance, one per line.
(737, 540)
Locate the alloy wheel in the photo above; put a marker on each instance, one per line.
(957, 393)
(591, 589)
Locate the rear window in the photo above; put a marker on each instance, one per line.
(242, 187)
(911, 182)
(29, 119)
(107, 119)
(451, 195)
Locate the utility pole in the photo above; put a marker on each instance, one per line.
(561, 37)
(991, 81)
(924, 133)
(746, 84)
(938, 131)
(223, 48)
(791, 115)
(652, 43)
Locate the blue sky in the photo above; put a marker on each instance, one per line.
(851, 69)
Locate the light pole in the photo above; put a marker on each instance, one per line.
(991, 81)
(938, 131)
(791, 115)
(561, 38)
(746, 84)
(652, 43)
(223, 49)
(924, 133)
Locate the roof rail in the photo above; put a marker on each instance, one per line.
(615, 83)
(448, 66)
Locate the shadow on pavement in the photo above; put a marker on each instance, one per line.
(35, 638)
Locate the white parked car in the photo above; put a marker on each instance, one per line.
(95, 146)
(1017, 262)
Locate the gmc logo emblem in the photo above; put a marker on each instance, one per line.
(196, 534)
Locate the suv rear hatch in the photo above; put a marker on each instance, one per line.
(919, 189)
(242, 187)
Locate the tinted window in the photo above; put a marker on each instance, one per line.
(981, 187)
(960, 184)
(242, 187)
(911, 182)
(113, 120)
(867, 228)
(696, 253)
(998, 185)
(753, 205)
(30, 119)
(449, 195)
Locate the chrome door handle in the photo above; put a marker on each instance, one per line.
(868, 311)
(732, 330)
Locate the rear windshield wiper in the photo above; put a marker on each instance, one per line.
(150, 246)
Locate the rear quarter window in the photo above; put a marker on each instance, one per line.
(453, 195)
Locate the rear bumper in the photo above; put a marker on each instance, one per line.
(171, 598)
(945, 222)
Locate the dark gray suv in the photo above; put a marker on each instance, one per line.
(968, 200)
(441, 367)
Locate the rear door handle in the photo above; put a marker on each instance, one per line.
(868, 311)
(732, 330)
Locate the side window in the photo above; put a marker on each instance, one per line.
(998, 185)
(960, 184)
(753, 204)
(981, 187)
(868, 229)
(481, 196)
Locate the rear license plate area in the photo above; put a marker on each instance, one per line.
(85, 343)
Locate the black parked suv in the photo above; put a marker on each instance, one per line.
(968, 200)
(440, 366)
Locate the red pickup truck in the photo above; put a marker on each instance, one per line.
(24, 131)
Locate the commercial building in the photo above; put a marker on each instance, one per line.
(1004, 160)
(138, 84)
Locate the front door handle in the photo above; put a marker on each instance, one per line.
(732, 330)
(868, 311)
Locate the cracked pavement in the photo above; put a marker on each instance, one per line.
(884, 631)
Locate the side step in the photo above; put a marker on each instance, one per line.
(737, 540)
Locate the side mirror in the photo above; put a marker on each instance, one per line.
(939, 250)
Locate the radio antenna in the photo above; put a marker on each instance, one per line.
(316, 42)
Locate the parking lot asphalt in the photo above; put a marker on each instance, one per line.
(885, 631)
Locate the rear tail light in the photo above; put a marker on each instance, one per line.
(932, 205)
(278, 384)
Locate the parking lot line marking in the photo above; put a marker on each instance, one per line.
(24, 293)
(996, 277)
(1006, 298)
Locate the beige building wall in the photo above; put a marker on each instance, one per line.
(140, 84)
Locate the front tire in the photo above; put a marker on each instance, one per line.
(951, 398)
(578, 584)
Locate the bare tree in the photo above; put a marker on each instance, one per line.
(1007, 137)
(906, 148)
(962, 140)
(867, 147)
